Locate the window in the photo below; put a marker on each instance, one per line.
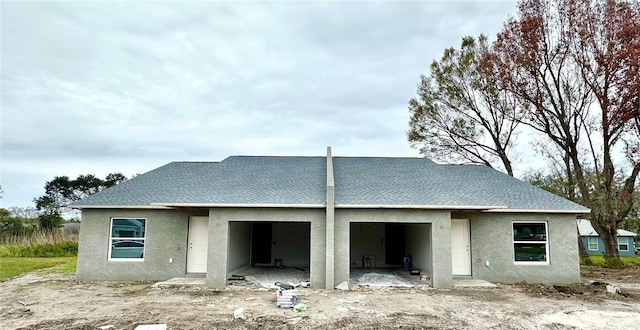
(593, 243)
(530, 244)
(623, 243)
(127, 239)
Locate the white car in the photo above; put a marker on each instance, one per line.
(127, 249)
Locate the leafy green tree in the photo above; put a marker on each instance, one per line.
(632, 223)
(50, 221)
(558, 184)
(62, 190)
(24, 213)
(11, 225)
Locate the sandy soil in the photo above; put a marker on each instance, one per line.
(625, 275)
(49, 301)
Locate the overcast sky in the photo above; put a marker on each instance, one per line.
(104, 87)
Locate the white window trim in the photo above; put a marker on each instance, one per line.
(589, 243)
(144, 248)
(627, 244)
(546, 245)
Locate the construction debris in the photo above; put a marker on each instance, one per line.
(613, 289)
(236, 278)
(286, 298)
(284, 286)
(300, 307)
(238, 314)
(25, 304)
(152, 327)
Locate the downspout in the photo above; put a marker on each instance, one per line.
(330, 225)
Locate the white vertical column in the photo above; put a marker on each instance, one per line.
(330, 225)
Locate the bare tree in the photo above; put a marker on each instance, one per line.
(574, 67)
(459, 115)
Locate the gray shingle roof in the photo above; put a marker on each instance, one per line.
(586, 229)
(359, 181)
(416, 181)
(235, 180)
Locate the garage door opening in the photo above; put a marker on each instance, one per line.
(383, 247)
(269, 248)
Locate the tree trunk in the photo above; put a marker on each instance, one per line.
(582, 251)
(611, 255)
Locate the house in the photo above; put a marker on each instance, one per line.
(327, 213)
(594, 244)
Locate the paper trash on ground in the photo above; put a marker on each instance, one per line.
(238, 314)
(162, 326)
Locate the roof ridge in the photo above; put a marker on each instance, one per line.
(383, 157)
(196, 161)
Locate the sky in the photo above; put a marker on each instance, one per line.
(102, 87)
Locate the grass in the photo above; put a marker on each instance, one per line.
(12, 267)
(32, 250)
(47, 251)
(39, 244)
(629, 261)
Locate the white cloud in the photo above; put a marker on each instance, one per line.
(99, 87)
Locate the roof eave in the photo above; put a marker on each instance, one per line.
(150, 207)
(237, 205)
(425, 207)
(507, 210)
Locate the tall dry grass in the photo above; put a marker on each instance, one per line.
(39, 237)
(40, 244)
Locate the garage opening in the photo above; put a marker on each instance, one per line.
(384, 248)
(270, 251)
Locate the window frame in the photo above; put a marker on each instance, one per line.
(132, 239)
(596, 243)
(546, 262)
(627, 244)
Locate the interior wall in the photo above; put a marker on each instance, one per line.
(367, 239)
(239, 245)
(419, 246)
(291, 243)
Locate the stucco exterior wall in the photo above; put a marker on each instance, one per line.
(166, 237)
(600, 250)
(440, 238)
(492, 251)
(219, 218)
(428, 240)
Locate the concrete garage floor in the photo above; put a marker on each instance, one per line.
(384, 277)
(266, 277)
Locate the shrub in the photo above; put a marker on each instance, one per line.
(586, 261)
(599, 261)
(616, 263)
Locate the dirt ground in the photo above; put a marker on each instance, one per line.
(52, 301)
